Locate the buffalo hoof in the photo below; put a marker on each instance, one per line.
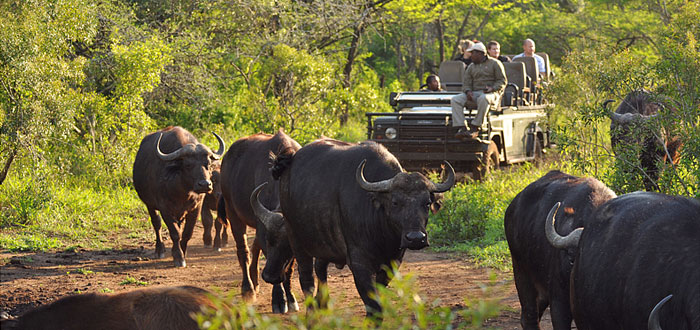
(180, 263)
(248, 295)
(293, 306)
(160, 255)
(207, 241)
(279, 307)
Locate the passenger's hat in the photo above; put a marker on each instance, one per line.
(478, 46)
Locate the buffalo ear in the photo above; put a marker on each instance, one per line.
(435, 206)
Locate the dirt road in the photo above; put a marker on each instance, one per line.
(31, 279)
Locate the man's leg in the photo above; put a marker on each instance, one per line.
(483, 102)
(457, 102)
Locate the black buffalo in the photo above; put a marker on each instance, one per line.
(632, 124)
(635, 250)
(244, 167)
(541, 271)
(172, 172)
(353, 204)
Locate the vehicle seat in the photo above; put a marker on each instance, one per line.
(451, 73)
(532, 72)
(519, 93)
(547, 67)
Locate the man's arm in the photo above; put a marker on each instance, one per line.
(500, 77)
(467, 80)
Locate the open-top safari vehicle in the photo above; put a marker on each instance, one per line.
(420, 132)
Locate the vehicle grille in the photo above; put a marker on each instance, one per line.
(424, 132)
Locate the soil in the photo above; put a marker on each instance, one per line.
(32, 279)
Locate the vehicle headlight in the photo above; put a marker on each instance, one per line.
(390, 133)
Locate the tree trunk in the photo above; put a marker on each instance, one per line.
(481, 25)
(8, 162)
(461, 31)
(347, 70)
(440, 36)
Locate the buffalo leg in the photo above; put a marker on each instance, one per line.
(560, 311)
(527, 293)
(156, 222)
(306, 273)
(190, 221)
(364, 282)
(254, 268)
(321, 269)
(238, 228)
(174, 231)
(220, 238)
(207, 223)
(292, 303)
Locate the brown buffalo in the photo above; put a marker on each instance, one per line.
(243, 168)
(632, 123)
(146, 309)
(172, 172)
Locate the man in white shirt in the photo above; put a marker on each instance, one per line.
(529, 50)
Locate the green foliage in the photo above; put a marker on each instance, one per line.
(471, 217)
(132, 281)
(403, 308)
(50, 213)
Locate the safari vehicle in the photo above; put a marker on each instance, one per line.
(420, 133)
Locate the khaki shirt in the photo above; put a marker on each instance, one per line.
(478, 76)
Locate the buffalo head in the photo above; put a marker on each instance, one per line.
(272, 235)
(194, 162)
(407, 199)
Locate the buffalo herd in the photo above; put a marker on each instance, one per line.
(594, 258)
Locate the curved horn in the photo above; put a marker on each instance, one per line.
(557, 241)
(448, 183)
(166, 157)
(267, 217)
(222, 147)
(625, 118)
(380, 186)
(605, 104)
(653, 323)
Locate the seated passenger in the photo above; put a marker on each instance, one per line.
(464, 54)
(432, 84)
(483, 83)
(529, 50)
(494, 49)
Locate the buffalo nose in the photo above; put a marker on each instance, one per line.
(415, 236)
(204, 185)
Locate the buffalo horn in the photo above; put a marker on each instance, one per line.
(173, 155)
(653, 323)
(379, 186)
(266, 216)
(222, 147)
(557, 241)
(448, 183)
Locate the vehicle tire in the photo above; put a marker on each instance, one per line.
(491, 162)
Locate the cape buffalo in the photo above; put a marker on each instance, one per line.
(353, 204)
(145, 309)
(627, 128)
(243, 168)
(541, 271)
(172, 173)
(635, 250)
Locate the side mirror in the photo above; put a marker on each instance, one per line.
(392, 98)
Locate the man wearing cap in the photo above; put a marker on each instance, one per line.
(483, 83)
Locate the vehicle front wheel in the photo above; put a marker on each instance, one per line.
(489, 163)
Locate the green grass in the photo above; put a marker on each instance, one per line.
(471, 218)
(40, 216)
(132, 281)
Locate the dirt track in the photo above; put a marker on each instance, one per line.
(31, 279)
